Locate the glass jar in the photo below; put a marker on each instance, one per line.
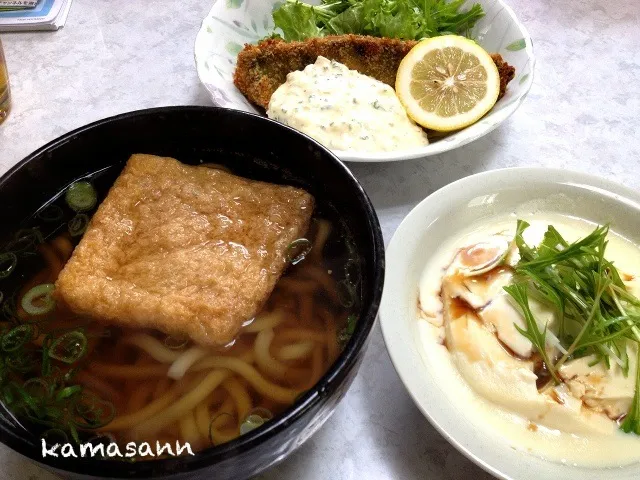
(5, 92)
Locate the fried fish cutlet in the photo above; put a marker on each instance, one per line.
(186, 250)
(262, 68)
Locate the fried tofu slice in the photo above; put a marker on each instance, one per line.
(182, 249)
(262, 68)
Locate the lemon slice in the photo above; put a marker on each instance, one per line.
(447, 83)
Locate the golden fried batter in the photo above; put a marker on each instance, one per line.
(186, 250)
(262, 68)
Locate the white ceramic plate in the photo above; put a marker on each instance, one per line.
(442, 215)
(232, 23)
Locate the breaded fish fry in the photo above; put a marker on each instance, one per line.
(262, 68)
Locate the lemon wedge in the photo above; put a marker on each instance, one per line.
(447, 83)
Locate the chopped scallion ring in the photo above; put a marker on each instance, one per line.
(352, 271)
(8, 262)
(39, 300)
(52, 213)
(25, 240)
(93, 412)
(78, 224)
(37, 387)
(69, 347)
(81, 196)
(346, 293)
(251, 423)
(16, 337)
(298, 250)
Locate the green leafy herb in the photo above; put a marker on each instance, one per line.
(538, 338)
(598, 316)
(405, 19)
(631, 422)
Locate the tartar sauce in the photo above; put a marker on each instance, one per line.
(344, 110)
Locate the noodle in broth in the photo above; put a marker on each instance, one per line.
(143, 386)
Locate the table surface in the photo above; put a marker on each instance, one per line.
(582, 114)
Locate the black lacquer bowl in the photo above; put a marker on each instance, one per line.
(251, 146)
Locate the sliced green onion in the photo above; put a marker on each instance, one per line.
(347, 331)
(346, 293)
(251, 423)
(52, 213)
(74, 432)
(16, 338)
(176, 342)
(20, 363)
(69, 347)
(9, 308)
(78, 224)
(8, 262)
(81, 196)
(68, 392)
(92, 412)
(43, 295)
(25, 240)
(37, 387)
(298, 250)
(352, 272)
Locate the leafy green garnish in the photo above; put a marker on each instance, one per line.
(597, 315)
(538, 338)
(631, 422)
(405, 19)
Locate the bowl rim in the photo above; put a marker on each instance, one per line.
(311, 398)
(419, 152)
(609, 189)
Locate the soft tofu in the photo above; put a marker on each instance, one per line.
(185, 250)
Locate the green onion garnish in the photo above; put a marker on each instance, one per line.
(8, 262)
(346, 333)
(346, 293)
(69, 347)
(298, 250)
(37, 387)
(81, 196)
(251, 423)
(92, 412)
(68, 392)
(52, 213)
(25, 241)
(16, 338)
(78, 224)
(39, 300)
(352, 271)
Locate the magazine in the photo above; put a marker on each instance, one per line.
(18, 15)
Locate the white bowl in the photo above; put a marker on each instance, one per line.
(232, 23)
(445, 213)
